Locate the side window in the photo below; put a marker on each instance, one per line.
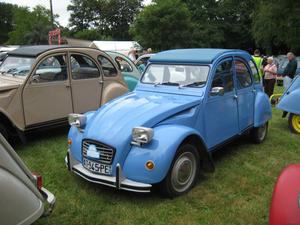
(123, 64)
(53, 68)
(254, 72)
(224, 76)
(242, 74)
(83, 67)
(108, 68)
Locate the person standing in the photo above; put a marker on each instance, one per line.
(290, 70)
(258, 61)
(132, 54)
(270, 71)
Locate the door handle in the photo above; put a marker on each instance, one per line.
(67, 85)
(235, 97)
(254, 91)
(100, 81)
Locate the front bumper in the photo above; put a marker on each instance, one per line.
(50, 199)
(117, 181)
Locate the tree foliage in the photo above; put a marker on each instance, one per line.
(30, 27)
(109, 17)
(6, 26)
(277, 24)
(164, 25)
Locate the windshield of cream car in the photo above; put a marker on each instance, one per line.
(16, 66)
(176, 75)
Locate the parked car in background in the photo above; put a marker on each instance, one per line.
(4, 51)
(129, 70)
(142, 62)
(188, 103)
(289, 103)
(23, 197)
(41, 85)
(284, 208)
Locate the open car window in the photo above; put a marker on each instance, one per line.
(83, 67)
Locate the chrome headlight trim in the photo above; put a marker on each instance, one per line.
(141, 135)
(77, 120)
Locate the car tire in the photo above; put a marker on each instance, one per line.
(294, 123)
(183, 172)
(259, 134)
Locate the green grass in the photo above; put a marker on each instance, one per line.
(239, 192)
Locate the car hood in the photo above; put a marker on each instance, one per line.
(113, 123)
(8, 83)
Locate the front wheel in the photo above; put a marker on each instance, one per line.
(183, 172)
(259, 134)
(294, 123)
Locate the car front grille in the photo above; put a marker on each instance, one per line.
(107, 153)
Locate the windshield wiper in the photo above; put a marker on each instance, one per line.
(166, 83)
(193, 84)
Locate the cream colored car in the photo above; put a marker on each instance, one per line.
(41, 85)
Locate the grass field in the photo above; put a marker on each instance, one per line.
(239, 192)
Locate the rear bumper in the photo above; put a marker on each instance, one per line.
(118, 181)
(50, 199)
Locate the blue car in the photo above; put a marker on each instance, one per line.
(187, 104)
(289, 103)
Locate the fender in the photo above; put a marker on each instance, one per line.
(112, 91)
(263, 110)
(161, 151)
(290, 102)
(131, 81)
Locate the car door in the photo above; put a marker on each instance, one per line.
(220, 111)
(245, 94)
(47, 94)
(86, 83)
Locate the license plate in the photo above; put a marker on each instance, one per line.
(96, 167)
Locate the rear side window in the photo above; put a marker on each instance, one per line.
(83, 67)
(108, 68)
(242, 74)
(224, 76)
(254, 72)
(123, 64)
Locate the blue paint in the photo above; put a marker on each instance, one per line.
(174, 114)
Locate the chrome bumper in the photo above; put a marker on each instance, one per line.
(118, 181)
(50, 198)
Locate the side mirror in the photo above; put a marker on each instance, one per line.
(35, 78)
(217, 91)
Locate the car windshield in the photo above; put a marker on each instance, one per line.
(16, 66)
(177, 75)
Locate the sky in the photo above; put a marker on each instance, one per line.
(59, 7)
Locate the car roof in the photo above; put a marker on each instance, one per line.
(196, 55)
(35, 50)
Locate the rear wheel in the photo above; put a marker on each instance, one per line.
(259, 134)
(183, 172)
(294, 123)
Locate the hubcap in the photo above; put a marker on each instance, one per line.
(262, 131)
(183, 172)
(296, 123)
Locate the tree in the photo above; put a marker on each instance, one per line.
(277, 24)
(91, 35)
(6, 26)
(109, 17)
(31, 27)
(166, 24)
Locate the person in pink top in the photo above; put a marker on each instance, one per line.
(270, 71)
